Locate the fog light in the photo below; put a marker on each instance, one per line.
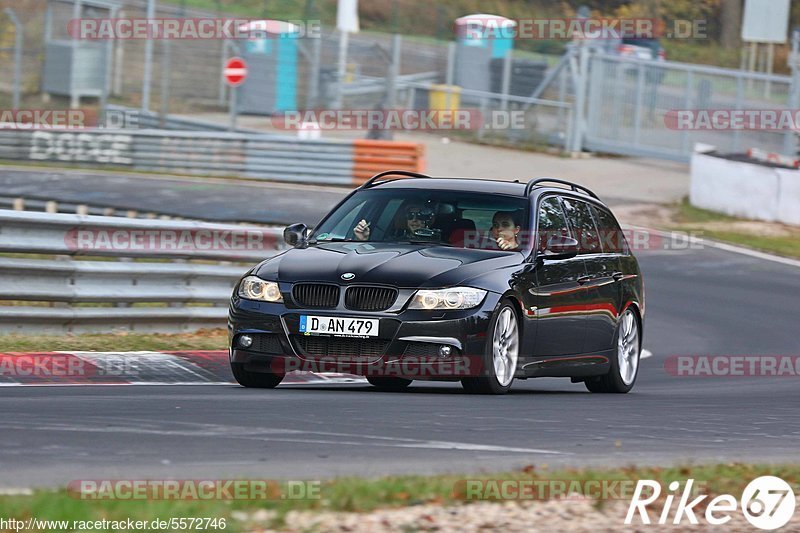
(245, 341)
(445, 350)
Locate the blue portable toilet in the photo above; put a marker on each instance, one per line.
(271, 56)
(479, 39)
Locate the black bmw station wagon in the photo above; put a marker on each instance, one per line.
(478, 281)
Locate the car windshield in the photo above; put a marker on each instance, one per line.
(438, 217)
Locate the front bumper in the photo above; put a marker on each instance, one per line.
(408, 343)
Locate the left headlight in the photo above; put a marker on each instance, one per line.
(453, 298)
(255, 288)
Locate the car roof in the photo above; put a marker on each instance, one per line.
(456, 184)
(480, 185)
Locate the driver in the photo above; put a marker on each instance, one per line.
(418, 216)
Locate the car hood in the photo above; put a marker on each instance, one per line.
(401, 265)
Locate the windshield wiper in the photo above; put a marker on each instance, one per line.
(433, 243)
(333, 239)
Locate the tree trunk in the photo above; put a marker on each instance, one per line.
(731, 23)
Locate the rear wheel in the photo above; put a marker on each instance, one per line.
(389, 384)
(625, 366)
(502, 352)
(256, 380)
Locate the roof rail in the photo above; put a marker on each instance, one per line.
(573, 186)
(407, 173)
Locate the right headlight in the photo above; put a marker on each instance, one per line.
(452, 298)
(255, 288)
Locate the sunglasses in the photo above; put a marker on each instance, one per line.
(423, 216)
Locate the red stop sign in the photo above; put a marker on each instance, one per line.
(235, 71)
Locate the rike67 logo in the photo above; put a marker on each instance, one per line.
(767, 502)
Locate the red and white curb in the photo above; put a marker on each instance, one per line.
(196, 367)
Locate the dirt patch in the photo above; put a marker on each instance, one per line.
(573, 514)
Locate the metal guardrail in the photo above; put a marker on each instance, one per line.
(258, 156)
(127, 117)
(140, 292)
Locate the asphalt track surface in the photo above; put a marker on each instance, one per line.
(214, 199)
(700, 302)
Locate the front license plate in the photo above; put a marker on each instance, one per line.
(345, 327)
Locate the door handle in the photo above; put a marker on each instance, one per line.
(617, 276)
(585, 279)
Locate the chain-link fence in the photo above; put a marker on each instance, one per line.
(599, 101)
(659, 109)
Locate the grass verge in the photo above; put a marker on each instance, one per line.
(214, 339)
(361, 495)
(768, 237)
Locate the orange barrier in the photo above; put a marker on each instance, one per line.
(371, 157)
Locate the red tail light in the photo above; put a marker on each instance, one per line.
(662, 54)
(626, 50)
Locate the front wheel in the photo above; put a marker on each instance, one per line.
(502, 352)
(625, 366)
(256, 380)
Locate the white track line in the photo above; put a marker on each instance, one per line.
(723, 246)
(645, 354)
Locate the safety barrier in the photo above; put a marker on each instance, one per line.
(749, 190)
(371, 157)
(57, 291)
(256, 156)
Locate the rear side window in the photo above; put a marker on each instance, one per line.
(611, 237)
(552, 222)
(584, 229)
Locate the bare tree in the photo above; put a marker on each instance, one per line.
(731, 23)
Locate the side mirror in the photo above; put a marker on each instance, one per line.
(295, 234)
(561, 248)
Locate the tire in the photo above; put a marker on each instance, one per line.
(501, 354)
(625, 366)
(255, 380)
(389, 384)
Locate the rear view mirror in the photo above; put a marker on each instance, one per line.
(561, 248)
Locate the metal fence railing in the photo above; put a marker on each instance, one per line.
(632, 106)
(268, 157)
(541, 121)
(156, 283)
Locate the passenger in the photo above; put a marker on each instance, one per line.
(417, 217)
(505, 230)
